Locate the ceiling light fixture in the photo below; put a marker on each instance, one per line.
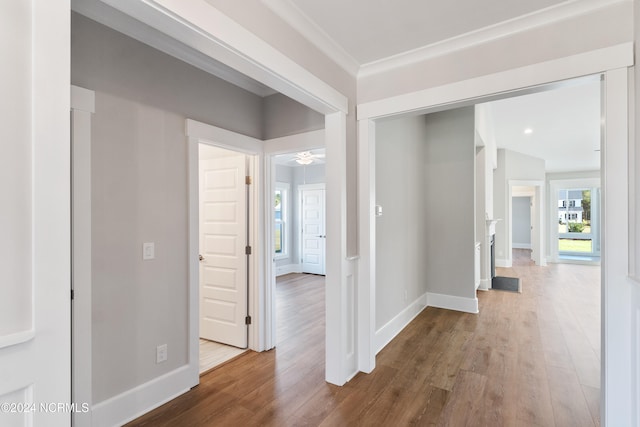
(528, 131)
(305, 161)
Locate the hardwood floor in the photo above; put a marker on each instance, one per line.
(528, 359)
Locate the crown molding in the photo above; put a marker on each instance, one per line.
(308, 28)
(516, 25)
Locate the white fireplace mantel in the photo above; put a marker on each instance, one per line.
(491, 226)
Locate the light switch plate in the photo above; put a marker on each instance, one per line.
(148, 251)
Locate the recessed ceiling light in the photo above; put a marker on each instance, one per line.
(528, 131)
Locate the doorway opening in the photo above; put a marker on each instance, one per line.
(224, 210)
(299, 246)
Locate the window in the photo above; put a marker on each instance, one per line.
(577, 235)
(280, 209)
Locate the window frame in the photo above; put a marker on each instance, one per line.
(285, 203)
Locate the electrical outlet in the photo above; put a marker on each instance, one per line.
(161, 353)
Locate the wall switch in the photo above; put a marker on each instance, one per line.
(148, 251)
(161, 353)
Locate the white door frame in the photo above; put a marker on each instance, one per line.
(82, 108)
(201, 26)
(537, 220)
(613, 63)
(200, 133)
(305, 141)
(554, 186)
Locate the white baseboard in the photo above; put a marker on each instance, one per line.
(521, 245)
(450, 302)
(133, 403)
(485, 285)
(287, 269)
(385, 334)
(504, 263)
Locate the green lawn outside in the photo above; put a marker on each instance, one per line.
(562, 228)
(569, 245)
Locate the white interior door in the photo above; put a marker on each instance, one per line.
(223, 239)
(35, 282)
(313, 237)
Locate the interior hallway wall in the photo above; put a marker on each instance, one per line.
(139, 194)
(511, 166)
(521, 228)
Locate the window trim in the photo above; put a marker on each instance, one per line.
(285, 190)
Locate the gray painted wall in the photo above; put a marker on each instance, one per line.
(450, 190)
(425, 180)
(282, 116)
(401, 231)
(521, 227)
(107, 61)
(511, 166)
(139, 190)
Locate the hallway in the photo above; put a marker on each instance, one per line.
(527, 359)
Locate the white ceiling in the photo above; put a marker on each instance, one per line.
(565, 123)
(370, 30)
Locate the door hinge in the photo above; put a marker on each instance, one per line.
(247, 320)
(72, 294)
(247, 250)
(247, 180)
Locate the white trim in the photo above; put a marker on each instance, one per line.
(521, 245)
(617, 362)
(82, 107)
(538, 18)
(554, 186)
(592, 62)
(139, 400)
(485, 285)
(83, 99)
(299, 142)
(340, 297)
(199, 25)
(288, 269)
(223, 138)
(503, 263)
(112, 18)
(393, 327)
(367, 244)
(17, 338)
(451, 302)
(311, 31)
(537, 220)
(287, 241)
(282, 145)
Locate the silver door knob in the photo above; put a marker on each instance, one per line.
(200, 257)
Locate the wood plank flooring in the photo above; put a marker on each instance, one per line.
(528, 359)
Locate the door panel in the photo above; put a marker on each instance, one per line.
(223, 237)
(313, 230)
(35, 283)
